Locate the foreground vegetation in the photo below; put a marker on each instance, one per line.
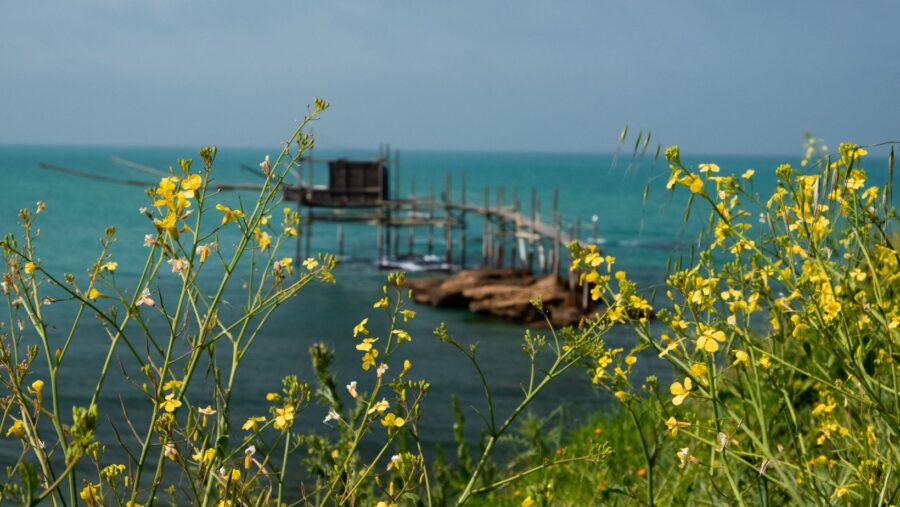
(781, 334)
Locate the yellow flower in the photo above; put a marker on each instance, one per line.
(204, 457)
(842, 490)
(168, 224)
(287, 264)
(741, 357)
(94, 294)
(361, 328)
(170, 403)
(273, 396)
(233, 476)
(708, 168)
(91, 494)
(709, 339)
(402, 335)
(366, 344)
(621, 395)
(382, 303)
(172, 384)
(680, 391)
(764, 362)
(699, 370)
(630, 360)
(284, 417)
(748, 174)
(386, 504)
(528, 502)
(857, 274)
(230, 215)
(368, 359)
(16, 429)
(310, 264)
(379, 407)
(38, 387)
(110, 266)
(694, 183)
(30, 267)
(391, 420)
(673, 425)
(263, 239)
(253, 423)
(191, 183)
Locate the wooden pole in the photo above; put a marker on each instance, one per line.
(340, 239)
(464, 225)
(380, 240)
(486, 231)
(431, 222)
(531, 242)
(557, 224)
(501, 226)
(412, 228)
(573, 278)
(299, 204)
(448, 224)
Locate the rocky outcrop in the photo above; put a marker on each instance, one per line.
(505, 293)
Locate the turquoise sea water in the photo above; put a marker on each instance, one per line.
(641, 233)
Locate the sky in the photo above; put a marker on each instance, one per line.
(713, 76)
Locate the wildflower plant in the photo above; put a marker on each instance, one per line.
(782, 338)
(188, 438)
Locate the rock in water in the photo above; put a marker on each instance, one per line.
(505, 293)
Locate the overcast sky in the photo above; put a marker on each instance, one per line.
(714, 76)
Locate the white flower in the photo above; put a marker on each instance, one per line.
(723, 441)
(383, 367)
(248, 456)
(683, 454)
(351, 388)
(332, 416)
(395, 460)
(171, 452)
(142, 210)
(764, 465)
(145, 298)
(149, 240)
(179, 265)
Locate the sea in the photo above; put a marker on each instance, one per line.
(619, 200)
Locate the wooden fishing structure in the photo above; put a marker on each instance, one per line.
(367, 192)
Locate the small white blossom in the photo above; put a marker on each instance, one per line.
(351, 388)
(332, 416)
(179, 265)
(145, 298)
